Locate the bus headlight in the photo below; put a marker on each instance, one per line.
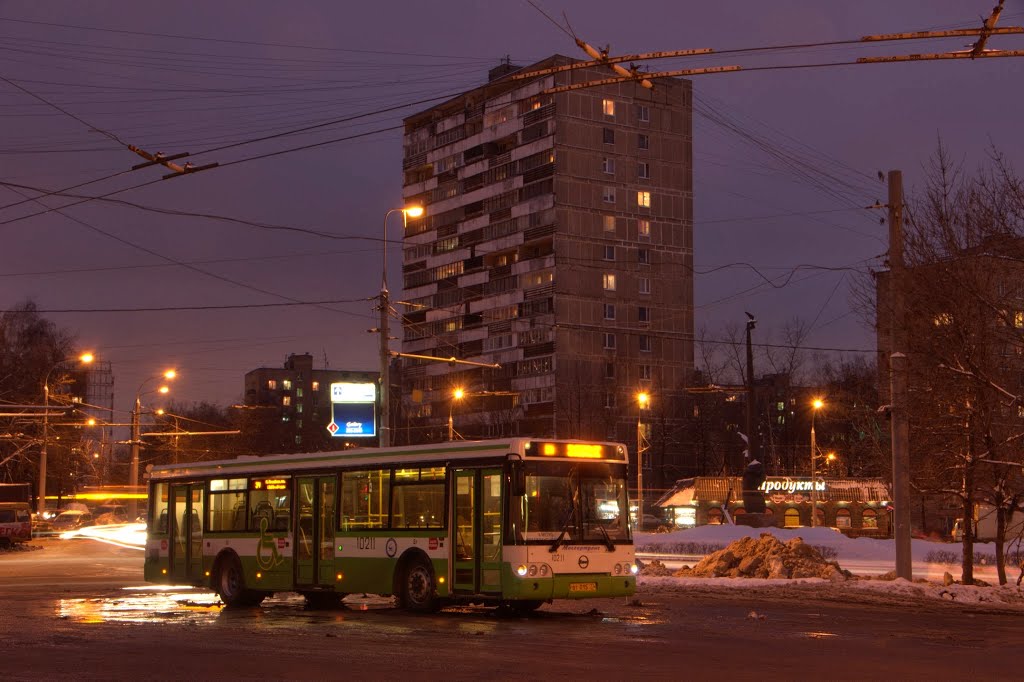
(521, 570)
(634, 569)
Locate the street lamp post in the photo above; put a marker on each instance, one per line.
(85, 359)
(385, 312)
(133, 472)
(641, 399)
(457, 394)
(816, 405)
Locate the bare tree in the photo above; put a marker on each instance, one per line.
(965, 334)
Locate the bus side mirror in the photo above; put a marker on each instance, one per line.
(517, 479)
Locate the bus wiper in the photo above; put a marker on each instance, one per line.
(565, 528)
(607, 538)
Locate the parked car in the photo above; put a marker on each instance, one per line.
(72, 519)
(107, 514)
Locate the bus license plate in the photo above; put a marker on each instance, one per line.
(583, 587)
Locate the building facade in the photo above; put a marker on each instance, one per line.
(557, 242)
(290, 406)
(855, 507)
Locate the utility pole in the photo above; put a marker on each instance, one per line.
(898, 382)
(751, 427)
(133, 468)
(385, 368)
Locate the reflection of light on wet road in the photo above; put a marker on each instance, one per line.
(129, 535)
(820, 635)
(156, 606)
(196, 606)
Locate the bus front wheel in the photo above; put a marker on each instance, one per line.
(418, 592)
(230, 584)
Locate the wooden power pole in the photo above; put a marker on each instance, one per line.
(898, 381)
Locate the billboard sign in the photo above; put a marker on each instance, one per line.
(353, 410)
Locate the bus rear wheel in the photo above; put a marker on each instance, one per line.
(230, 585)
(418, 592)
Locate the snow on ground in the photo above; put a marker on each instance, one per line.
(888, 591)
(864, 550)
(870, 549)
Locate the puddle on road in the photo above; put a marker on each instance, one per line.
(820, 635)
(194, 606)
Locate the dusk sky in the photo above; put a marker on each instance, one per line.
(783, 183)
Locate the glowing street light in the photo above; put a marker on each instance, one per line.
(457, 394)
(85, 359)
(816, 405)
(133, 473)
(382, 329)
(643, 399)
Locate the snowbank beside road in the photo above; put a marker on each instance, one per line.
(858, 591)
(871, 549)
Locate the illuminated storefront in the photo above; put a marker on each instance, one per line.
(857, 507)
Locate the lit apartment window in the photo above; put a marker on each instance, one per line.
(608, 195)
(285, 417)
(609, 253)
(609, 223)
(608, 135)
(298, 393)
(315, 386)
(286, 400)
(1018, 319)
(643, 256)
(643, 170)
(643, 141)
(608, 166)
(608, 107)
(645, 343)
(645, 372)
(643, 229)
(298, 424)
(298, 407)
(298, 439)
(286, 384)
(609, 341)
(644, 313)
(609, 281)
(644, 285)
(609, 311)
(643, 113)
(643, 199)
(272, 384)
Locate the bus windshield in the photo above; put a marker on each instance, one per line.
(573, 504)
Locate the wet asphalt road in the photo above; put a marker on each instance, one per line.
(79, 610)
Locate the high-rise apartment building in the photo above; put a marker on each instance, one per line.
(290, 406)
(557, 242)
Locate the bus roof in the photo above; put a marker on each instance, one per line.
(410, 454)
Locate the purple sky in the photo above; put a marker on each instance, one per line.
(249, 77)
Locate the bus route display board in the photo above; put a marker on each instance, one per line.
(353, 410)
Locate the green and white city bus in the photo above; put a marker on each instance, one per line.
(514, 523)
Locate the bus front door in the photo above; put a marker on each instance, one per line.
(314, 531)
(187, 533)
(476, 546)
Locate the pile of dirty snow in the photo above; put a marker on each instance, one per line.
(766, 557)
